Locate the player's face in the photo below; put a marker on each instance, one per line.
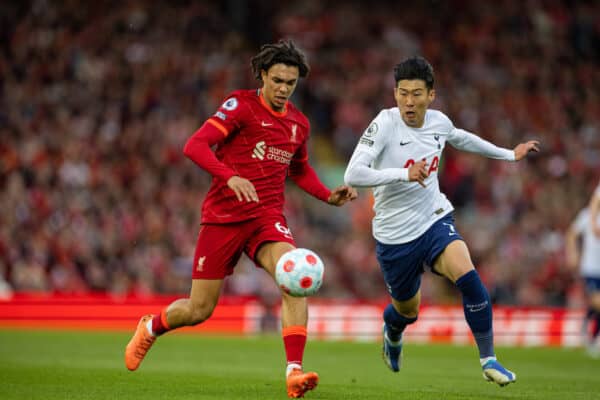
(413, 99)
(279, 83)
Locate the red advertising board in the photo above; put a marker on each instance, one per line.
(331, 320)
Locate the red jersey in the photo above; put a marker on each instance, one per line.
(256, 143)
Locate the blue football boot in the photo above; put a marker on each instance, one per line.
(391, 352)
(493, 371)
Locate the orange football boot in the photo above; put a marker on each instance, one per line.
(299, 382)
(139, 344)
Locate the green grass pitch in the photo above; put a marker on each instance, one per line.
(82, 365)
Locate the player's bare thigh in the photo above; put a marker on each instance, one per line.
(454, 261)
(294, 310)
(269, 253)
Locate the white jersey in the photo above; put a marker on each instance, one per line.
(405, 210)
(590, 248)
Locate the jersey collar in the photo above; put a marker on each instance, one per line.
(269, 109)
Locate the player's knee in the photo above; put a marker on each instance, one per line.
(409, 316)
(407, 309)
(595, 301)
(289, 299)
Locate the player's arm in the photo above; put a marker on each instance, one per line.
(595, 211)
(303, 174)
(571, 248)
(466, 141)
(198, 149)
(359, 172)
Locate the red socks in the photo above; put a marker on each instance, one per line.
(159, 323)
(294, 340)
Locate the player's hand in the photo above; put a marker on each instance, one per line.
(418, 172)
(596, 229)
(342, 194)
(243, 189)
(524, 148)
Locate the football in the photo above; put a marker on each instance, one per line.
(299, 272)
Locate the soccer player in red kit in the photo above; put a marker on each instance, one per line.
(260, 139)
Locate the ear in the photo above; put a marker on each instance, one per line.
(263, 75)
(431, 95)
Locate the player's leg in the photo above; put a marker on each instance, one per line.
(182, 312)
(397, 316)
(454, 262)
(402, 267)
(294, 319)
(594, 304)
(217, 251)
(588, 318)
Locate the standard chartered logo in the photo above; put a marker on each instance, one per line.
(259, 150)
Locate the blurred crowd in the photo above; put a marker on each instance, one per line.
(98, 98)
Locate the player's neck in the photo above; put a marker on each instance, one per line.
(269, 107)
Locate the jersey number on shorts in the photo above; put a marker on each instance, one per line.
(283, 229)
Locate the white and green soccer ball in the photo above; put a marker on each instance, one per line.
(299, 272)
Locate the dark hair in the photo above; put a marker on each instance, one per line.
(415, 68)
(282, 52)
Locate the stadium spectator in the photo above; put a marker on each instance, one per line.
(96, 102)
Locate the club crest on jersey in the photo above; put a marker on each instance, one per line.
(230, 104)
(371, 130)
(294, 129)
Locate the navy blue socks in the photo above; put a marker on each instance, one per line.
(478, 311)
(395, 322)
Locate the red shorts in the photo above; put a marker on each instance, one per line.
(220, 246)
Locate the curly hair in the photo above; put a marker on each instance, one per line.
(282, 52)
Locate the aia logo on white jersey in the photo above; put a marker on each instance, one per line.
(259, 150)
(284, 229)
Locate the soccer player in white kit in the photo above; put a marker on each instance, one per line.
(398, 155)
(587, 227)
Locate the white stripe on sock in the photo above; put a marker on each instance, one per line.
(290, 367)
(149, 327)
(482, 361)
